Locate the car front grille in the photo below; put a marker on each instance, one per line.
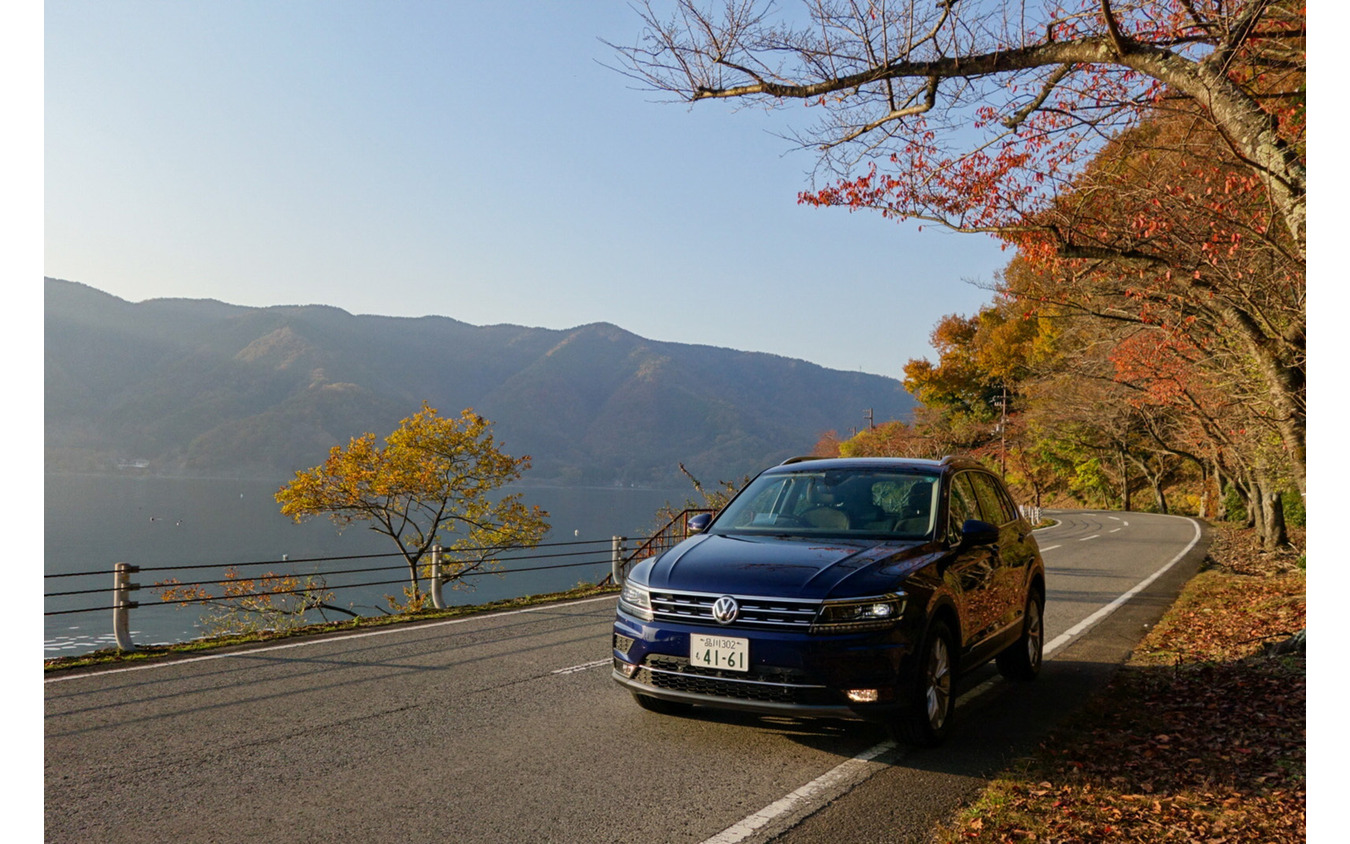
(755, 613)
(764, 684)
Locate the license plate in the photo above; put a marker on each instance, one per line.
(728, 654)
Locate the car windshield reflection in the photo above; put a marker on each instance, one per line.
(836, 503)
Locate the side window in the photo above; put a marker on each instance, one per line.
(1009, 506)
(995, 506)
(961, 506)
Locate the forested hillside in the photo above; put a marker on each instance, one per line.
(205, 388)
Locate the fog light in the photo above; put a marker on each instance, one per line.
(863, 695)
(625, 668)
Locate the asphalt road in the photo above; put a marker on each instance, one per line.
(508, 728)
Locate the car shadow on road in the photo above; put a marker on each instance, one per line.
(1002, 715)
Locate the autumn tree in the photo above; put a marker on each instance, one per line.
(1205, 319)
(975, 114)
(1146, 159)
(982, 120)
(434, 481)
(1208, 285)
(827, 445)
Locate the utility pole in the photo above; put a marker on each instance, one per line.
(867, 414)
(1003, 432)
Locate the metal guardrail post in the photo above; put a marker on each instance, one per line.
(122, 605)
(436, 599)
(616, 563)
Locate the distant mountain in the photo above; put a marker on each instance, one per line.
(198, 387)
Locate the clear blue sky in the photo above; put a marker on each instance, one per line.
(475, 160)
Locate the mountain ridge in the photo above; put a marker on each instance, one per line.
(202, 387)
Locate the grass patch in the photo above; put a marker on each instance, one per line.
(1200, 737)
(113, 656)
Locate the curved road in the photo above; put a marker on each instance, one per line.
(508, 728)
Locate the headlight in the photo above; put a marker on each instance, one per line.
(856, 614)
(636, 600)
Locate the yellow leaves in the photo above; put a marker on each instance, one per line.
(173, 590)
(431, 481)
(413, 600)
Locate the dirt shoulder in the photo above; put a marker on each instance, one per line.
(1200, 737)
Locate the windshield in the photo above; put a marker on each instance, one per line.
(836, 502)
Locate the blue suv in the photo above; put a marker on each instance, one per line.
(853, 588)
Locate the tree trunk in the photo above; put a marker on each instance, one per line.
(1267, 511)
(1244, 488)
(1213, 498)
(1124, 483)
(1159, 494)
(1273, 531)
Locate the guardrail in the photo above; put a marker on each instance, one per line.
(578, 554)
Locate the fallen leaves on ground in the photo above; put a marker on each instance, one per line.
(1199, 738)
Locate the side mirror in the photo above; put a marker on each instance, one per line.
(976, 532)
(699, 522)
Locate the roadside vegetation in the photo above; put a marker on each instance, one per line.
(1200, 737)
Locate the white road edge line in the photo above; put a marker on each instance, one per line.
(823, 783)
(744, 829)
(397, 628)
(1083, 626)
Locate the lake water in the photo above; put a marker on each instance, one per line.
(94, 522)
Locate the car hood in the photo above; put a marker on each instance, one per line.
(783, 566)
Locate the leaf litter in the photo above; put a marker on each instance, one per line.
(1200, 737)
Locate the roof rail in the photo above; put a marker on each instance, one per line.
(800, 459)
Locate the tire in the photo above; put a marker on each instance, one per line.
(926, 716)
(662, 707)
(1022, 659)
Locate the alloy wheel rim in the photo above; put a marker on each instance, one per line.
(1035, 634)
(939, 683)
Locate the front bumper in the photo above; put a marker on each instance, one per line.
(762, 707)
(790, 673)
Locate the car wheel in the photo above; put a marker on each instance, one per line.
(656, 704)
(931, 698)
(1022, 659)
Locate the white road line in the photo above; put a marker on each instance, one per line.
(1116, 530)
(806, 794)
(396, 628)
(1093, 536)
(583, 667)
(857, 765)
(1051, 548)
(1086, 624)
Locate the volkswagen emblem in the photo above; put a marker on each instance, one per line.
(725, 610)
